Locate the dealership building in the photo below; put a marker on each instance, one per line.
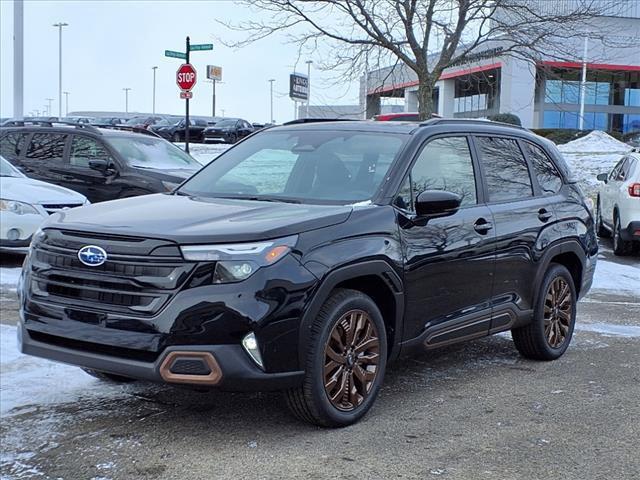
(544, 93)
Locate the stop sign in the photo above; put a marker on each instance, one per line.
(186, 77)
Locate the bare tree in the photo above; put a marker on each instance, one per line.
(428, 36)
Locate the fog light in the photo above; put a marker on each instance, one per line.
(250, 344)
(13, 234)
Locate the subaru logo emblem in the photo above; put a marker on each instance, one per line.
(92, 255)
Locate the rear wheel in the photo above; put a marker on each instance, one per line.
(602, 231)
(548, 336)
(176, 137)
(108, 377)
(345, 362)
(620, 247)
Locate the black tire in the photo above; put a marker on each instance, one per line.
(108, 377)
(620, 246)
(176, 138)
(233, 138)
(310, 402)
(532, 340)
(600, 228)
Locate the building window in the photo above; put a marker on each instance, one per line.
(632, 97)
(477, 92)
(592, 120)
(568, 92)
(631, 123)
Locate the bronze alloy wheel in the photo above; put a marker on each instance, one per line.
(558, 311)
(352, 354)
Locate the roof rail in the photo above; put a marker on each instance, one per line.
(50, 123)
(317, 120)
(476, 121)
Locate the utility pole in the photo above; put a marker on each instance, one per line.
(66, 103)
(49, 100)
(18, 58)
(59, 26)
(154, 89)
(308, 62)
(583, 83)
(186, 120)
(126, 99)
(271, 120)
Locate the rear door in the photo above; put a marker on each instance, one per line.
(612, 190)
(12, 147)
(523, 219)
(45, 157)
(449, 261)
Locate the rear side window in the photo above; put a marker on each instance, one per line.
(12, 145)
(443, 164)
(47, 146)
(548, 176)
(505, 169)
(85, 149)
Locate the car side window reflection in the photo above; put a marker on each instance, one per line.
(443, 164)
(85, 149)
(505, 169)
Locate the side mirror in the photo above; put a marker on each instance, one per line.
(437, 203)
(602, 177)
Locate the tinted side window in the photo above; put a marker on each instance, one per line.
(443, 164)
(84, 149)
(47, 146)
(505, 169)
(12, 145)
(548, 175)
(616, 170)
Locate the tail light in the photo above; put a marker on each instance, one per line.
(634, 189)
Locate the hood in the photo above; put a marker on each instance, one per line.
(191, 220)
(36, 192)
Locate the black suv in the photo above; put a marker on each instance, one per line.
(307, 257)
(228, 130)
(102, 164)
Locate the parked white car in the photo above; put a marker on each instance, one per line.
(25, 203)
(618, 204)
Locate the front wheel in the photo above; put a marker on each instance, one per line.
(548, 336)
(176, 137)
(345, 363)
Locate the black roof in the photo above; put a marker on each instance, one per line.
(67, 127)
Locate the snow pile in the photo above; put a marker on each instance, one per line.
(595, 142)
(623, 279)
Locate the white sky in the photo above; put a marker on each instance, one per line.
(112, 44)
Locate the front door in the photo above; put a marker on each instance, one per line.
(449, 261)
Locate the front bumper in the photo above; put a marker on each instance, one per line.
(236, 371)
(216, 137)
(631, 233)
(25, 225)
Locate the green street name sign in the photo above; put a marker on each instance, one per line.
(171, 53)
(202, 46)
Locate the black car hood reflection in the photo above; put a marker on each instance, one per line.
(196, 220)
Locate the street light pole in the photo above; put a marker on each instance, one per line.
(49, 100)
(59, 25)
(271, 94)
(18, 58)
(308, 62)
(66, 103)
(583, 83)
(154, 89)
(126, 99)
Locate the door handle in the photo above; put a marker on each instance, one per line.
(544, 215)
(482, 226)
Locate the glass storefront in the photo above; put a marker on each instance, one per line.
(477, 94)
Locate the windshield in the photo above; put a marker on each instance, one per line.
(152, 153)
(226, 123)
(167, 122)
(8, 170)
(311, 166)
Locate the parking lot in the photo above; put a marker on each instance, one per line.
(475, 410)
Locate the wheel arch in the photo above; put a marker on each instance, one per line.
(569, 254)
(376, 279)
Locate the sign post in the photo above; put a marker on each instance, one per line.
(298, 90)
(214, 73)
(186, 79)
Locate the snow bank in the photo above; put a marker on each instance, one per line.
(624, 279)
(9, 277)
(595, 142)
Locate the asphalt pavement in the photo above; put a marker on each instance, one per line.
(471, 411)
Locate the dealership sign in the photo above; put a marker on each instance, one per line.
(214, 73)
(298, 87)
(186, 77)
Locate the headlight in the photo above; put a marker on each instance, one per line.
(170, 186)
(238, 261)
(19, 208)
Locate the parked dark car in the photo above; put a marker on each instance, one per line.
(143, 121)
(101, 164)
(309, 256)
(228, 130)
(174, 129)
(107, 121)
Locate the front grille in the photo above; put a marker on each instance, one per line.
(56, 207)
(139, 284)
